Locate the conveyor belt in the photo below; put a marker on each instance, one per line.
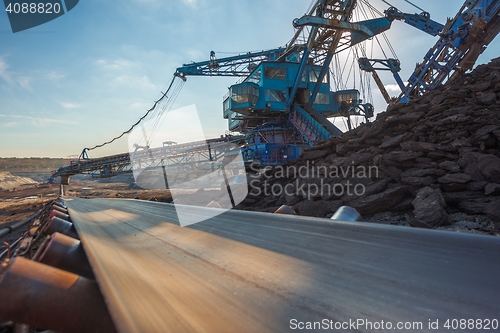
(255, 272)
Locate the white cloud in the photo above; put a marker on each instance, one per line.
(69, 105)
(123, 73)
(136, 82)
(10, 124)
(393, 89)
(53, 75)
(24, 82)
(117, 64)
(4, 73)
(139, 106)
(196, 55)
(40, 122)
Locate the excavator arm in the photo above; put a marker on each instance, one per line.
(461, 42)
(420, 21)
(239, 65)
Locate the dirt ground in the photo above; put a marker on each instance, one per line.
(19, 205)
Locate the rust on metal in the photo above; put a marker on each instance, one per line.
(49, 298)
(59, 208)
(60, 203)
(41, 248)
(60, 215)
(6, 244)
(57, 224)
(66, 253)
(284, 209)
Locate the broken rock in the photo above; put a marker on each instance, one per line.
(379, 202)
(429, 207)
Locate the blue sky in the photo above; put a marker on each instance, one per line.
(87, 76)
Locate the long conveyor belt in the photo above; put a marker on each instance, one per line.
(255, 272)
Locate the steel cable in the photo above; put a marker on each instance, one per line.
(164, 95)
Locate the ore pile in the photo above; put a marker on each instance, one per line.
(438, 162)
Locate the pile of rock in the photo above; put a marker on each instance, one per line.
(436, 156)
(9, 181)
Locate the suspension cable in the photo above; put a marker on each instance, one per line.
(387, 3)
(384, 35)
(167, 104)
(366, 3)
(411, 3)
(164, 96)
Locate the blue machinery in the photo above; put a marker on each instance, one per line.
(460, 43)
(284, 100)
